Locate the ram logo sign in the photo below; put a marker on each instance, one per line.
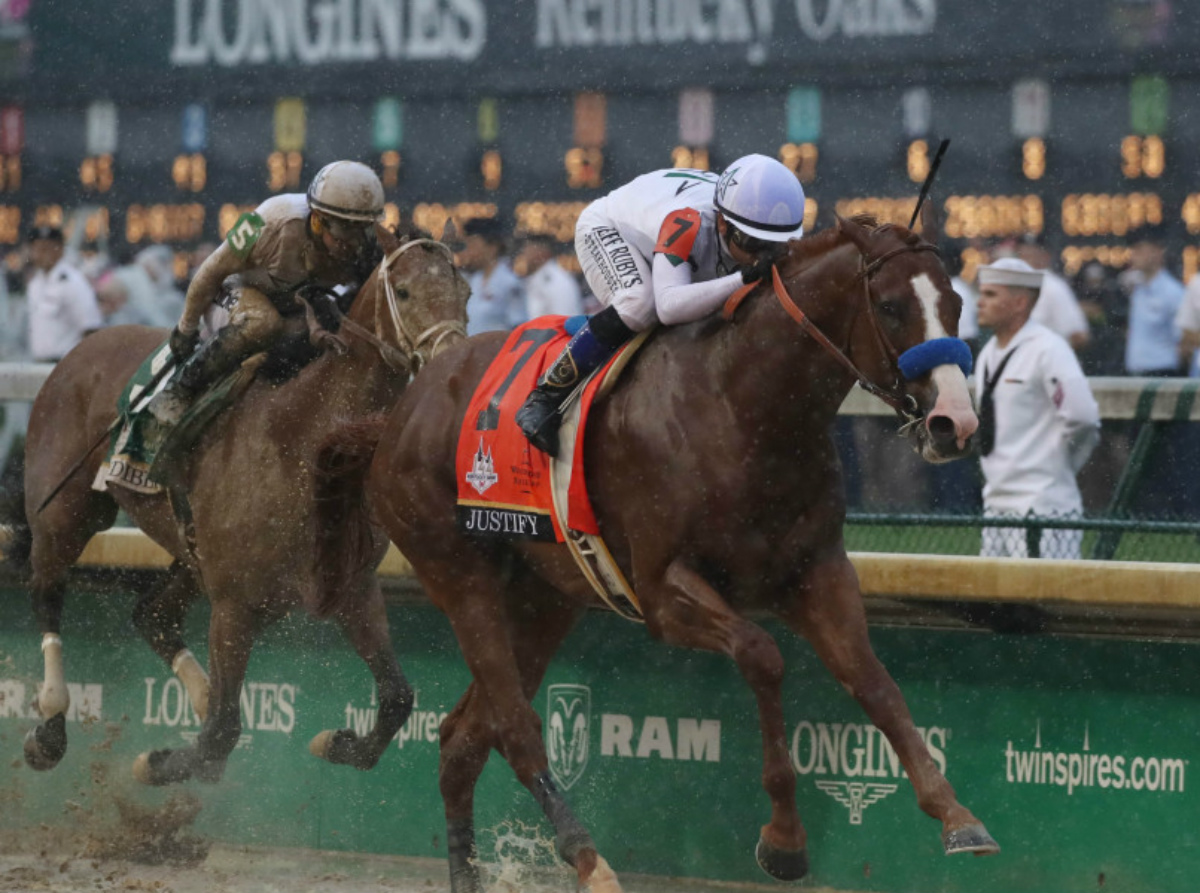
(569, 718)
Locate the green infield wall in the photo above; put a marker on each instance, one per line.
(1075, 752)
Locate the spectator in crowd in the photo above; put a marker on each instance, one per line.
(158, 264)
(1152, 347)
(497, 302)
(549, 289)
(1038, 420)
(1107, 310)
(61, 303)
(1187, 320)
(13, 325)
(141, 293)
(1057, 308)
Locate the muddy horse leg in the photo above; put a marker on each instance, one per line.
(690, 613)
(231, 632)
(830, 615)
(365, 624)
(159, 617)
(507, 660)
(59, 536)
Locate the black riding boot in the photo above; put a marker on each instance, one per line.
(212, 362)
(589, 349)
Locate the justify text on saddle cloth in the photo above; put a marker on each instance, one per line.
(503, 482)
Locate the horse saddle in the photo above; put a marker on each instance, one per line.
(146, 456)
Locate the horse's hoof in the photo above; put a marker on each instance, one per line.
(972, 838)
(783, 865)
(321, 744)
(159, 768)
(45, 745)
(603, 879)
(343, 748)
(143, 771)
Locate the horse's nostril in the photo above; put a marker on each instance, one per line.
(941, 429)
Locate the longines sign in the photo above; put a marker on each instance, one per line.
(318, 31)
(449, 47)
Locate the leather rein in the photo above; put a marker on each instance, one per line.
(410, 356)
(904, 404)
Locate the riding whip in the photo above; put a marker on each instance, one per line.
(933, 168)
(171, 363)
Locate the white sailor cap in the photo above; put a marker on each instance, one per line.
(1011, 271)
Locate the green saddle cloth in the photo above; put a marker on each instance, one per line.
(143, 452)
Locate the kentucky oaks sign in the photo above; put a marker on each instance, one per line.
(311, 32)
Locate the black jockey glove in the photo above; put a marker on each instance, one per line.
(324, 304)
(183, 344)
(761, 267)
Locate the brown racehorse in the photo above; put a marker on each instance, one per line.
(718, 489)
(251, 501)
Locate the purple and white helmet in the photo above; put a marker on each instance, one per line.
(762, 198)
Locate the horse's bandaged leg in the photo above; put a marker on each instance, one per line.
(571, 836)
(52, 698)
(188, 670)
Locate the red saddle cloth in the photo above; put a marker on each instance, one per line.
(503, 480)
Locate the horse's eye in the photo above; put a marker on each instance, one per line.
(402, 293)
(892, 309)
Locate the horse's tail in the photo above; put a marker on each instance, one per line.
(345, 543)
(16, 539)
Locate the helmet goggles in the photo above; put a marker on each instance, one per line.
(341, 229)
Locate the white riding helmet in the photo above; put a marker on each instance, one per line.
(762, 198)
(348, 190)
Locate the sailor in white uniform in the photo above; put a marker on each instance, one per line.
(1038, 419)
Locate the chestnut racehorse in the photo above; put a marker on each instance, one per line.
(251, 503)
(718, 489)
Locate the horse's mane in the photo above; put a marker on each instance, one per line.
(407, 230)
(819, 243)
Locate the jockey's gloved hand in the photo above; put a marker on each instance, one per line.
(761, 267)
(183, 344)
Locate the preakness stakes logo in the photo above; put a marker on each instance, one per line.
(856, 751)
(569, 719)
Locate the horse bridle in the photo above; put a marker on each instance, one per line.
(903, 403)
(410, 356)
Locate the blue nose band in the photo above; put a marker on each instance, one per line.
(916, 361)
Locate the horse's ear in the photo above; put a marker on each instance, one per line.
(386, 238)
(855, 232)
(449, 232)
(930, 227)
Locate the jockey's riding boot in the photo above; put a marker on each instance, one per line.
(589, 349)
(213, 361)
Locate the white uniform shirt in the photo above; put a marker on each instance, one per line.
(639, 208)
(62, 307)
(968, 320)
(497, 302)
(1047, 424)
(1188, 318)
(552, 291)
(1057, 308)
